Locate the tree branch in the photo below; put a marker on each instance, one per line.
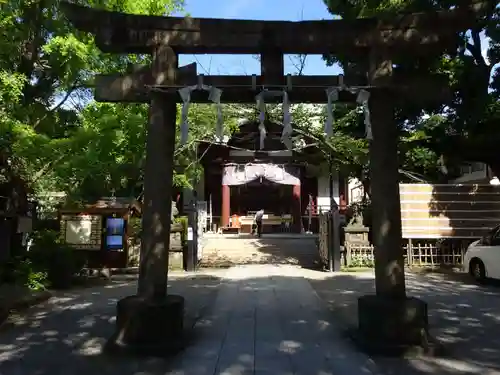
(47, 166)
(66, 97)
(299, 63)
(476, 48)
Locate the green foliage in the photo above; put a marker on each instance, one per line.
(29, 277)
(110, 141)
(49, 263)
(11, 85)
(361, 262)
(46, 133)
(22, 271)
(469, 119)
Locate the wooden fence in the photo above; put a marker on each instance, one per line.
(421, 253)
(438, 223)
(463, 211)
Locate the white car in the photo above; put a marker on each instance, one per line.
(482, 258)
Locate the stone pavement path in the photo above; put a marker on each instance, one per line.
(65, 335)
(268, 320)
(265, 320)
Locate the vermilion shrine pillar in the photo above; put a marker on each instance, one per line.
(296, 209)
(226, 206)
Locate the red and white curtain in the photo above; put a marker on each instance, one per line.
(240, 174)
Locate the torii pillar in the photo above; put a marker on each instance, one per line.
(152, 321)
(388, 321)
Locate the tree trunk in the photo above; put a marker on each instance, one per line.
(33, 20)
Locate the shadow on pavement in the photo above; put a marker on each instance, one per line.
(279, 329)
(462, 315)
(281, 322)
(66, 334)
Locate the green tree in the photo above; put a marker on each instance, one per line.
(467, 121)
(45, 67)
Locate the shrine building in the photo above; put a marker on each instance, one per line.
(240, 178)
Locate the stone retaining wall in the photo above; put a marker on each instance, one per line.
(175, 256)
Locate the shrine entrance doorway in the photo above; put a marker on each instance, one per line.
(275, 199)
(272, 187)
(240, 178)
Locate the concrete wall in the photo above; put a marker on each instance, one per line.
(323, 201)
(175, 254)
(474, 173)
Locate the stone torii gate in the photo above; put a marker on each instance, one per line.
(152, 318)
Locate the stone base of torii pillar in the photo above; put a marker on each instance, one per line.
(394, 327)
(148, 327)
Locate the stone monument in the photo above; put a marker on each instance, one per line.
(355, 232)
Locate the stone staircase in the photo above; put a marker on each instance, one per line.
(227, 250)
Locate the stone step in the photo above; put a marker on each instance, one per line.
(231, 251)
(258, 243)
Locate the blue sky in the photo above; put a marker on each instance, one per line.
(290, 10)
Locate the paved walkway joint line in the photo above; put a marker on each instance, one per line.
(267, 320)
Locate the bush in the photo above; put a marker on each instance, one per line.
(361, 262)
(21, 271)
(50, 254)
(28, 276)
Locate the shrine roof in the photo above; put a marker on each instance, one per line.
(119, 203)
(248, 131)
(246, 141)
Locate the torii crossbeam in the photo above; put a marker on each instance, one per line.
(126, 33)
(136, 86)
